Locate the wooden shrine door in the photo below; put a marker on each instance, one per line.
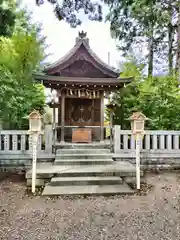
(81, 112)
(81, 115)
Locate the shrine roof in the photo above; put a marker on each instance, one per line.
(83, 55)
(59, 80)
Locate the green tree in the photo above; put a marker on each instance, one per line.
(178, 42)
(133, 22)
(157, 97)
(18, 100)
(7, 17)
(20, 56)
(137, 21)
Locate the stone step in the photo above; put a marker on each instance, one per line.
(132, 180)
(83, 145)
(82, 161)
(67, 181)
(82, 151)
(119, 168)
(83, 156)
(87, 190)
(39, 182)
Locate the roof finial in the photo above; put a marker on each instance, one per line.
(82, 34)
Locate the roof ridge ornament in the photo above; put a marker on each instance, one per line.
(82, 34)
(82, 38)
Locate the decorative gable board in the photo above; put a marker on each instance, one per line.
(81, 56)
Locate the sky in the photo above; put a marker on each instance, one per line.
(61, 37)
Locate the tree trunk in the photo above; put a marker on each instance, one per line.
(170, 42)
(178, 44)
(170, 48)
(151, 54)
(151, 41)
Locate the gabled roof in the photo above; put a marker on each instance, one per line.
(65, 61)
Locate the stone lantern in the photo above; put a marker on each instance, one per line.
(137, 127)
(35, 123)
(137, 122)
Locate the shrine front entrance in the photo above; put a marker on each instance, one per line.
(82, 112)
(82, 117)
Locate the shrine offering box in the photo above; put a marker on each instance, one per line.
(81, 135)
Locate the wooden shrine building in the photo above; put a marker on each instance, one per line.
(82, 81)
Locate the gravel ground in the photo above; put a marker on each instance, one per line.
(153, 216)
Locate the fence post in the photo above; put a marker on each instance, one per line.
(48, 133)
(117, 137)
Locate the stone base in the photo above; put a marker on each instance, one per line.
(39, 182)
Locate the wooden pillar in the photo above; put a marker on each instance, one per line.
(102, 116)
(62, 115)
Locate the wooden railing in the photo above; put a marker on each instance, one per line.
(153, 143)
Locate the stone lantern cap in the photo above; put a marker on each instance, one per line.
(35, 122)
(34, 115)
(138, 116)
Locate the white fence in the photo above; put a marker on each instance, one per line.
(154, 144)
(17, 142)
(158, 146)
(17, 145)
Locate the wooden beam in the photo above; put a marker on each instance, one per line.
(62, 115)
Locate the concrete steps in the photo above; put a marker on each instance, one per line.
(97, 145)
(81, 151)
(95, 179)
(84, 156)
(48, 170)
(65, 181)
(83, 169)
(87, 190)
(82, 161)
(115, 169)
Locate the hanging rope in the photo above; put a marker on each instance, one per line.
(81, 92)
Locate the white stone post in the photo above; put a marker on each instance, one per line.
(117, 137)
(35, 125)
(137, 127)
(138, 145)
(34, 154)
(48, 134)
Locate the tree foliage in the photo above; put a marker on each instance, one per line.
(18, 100)
(8, 16)
(20, 56)
(157, 97)
(151, 21)
(68, 10)
(155, 23)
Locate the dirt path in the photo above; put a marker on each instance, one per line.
(153, 217)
